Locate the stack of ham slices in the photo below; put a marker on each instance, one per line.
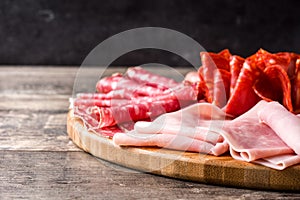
(246, 106)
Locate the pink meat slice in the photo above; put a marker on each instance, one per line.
(194, 128)
(289, 127)
(279, 162)
(253, 141)
(168, 141)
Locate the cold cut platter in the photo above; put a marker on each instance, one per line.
(203, 168)
(222, 125)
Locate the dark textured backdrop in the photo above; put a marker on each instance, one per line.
(62, 32)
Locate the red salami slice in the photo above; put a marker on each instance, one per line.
(296, 88)
(275, 85)
(215, 72)
(243, 96)
(236, 64)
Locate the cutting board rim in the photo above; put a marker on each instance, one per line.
(222, 170)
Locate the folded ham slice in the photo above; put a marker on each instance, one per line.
(283, 122)
(250, 140)
(195, 128)
(257, 136)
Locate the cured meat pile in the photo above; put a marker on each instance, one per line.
(123, 99)
(235, 104)
(237, 84)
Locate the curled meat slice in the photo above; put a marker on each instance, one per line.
(274, 85)
(253, 141)
(143, 108)
(236, 64)
(296, 88)
(177, 130)
(284, 123)
(243, 96)
(221, 87)
(215, 74)
(169, 141)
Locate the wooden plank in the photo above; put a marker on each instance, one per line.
(78, 175)
(223, 170)
(34, 130)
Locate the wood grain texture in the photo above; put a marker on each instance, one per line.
(222, 170)
(78, 175)
(38, 161)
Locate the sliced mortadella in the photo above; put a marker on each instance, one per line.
(289, 127)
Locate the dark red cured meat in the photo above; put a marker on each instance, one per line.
(236, 64)
(215, 69)
(221, 87)
(283, 59)
(109, 116)
(142, 108)
(275, 85)
(143, 76)
(243, 96)
(260, 74)
(296, 88)
(184, 93)
(203, 93)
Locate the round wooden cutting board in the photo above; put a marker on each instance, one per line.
(222, 170)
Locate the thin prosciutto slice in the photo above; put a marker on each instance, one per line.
(125, 99)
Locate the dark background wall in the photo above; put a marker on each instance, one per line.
(63, 32)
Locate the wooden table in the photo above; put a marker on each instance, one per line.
(38, 161)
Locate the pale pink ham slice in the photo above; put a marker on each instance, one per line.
(283, 122)
(168, 141)
(253, 141)
(194, 128)
(279, 162)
